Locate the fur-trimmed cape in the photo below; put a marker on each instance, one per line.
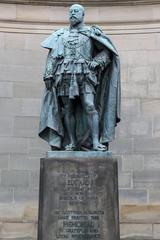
(107, 98)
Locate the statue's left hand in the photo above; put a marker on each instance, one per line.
(92, 65)
(48, 83)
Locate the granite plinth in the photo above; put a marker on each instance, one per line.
(78, 197)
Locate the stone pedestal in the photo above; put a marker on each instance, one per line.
(78, 197)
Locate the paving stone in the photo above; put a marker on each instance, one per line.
(132, 196)
(26, 126)
(14, 178)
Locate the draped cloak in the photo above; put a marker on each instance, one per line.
(107, 97)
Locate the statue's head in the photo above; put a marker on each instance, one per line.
(76, 14)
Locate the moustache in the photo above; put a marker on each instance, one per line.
(73, 17)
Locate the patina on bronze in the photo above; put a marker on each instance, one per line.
(81, 104)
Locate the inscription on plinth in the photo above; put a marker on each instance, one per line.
(78, 197)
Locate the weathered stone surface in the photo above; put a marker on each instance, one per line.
(136, 231)
(14, 178)
(156, 231)
(149, 144)
(6, 126)
(140, 213)
(4, 159)
(23, 162)
(122, 146)
(34, 179)
(130, 90)
(133, 196)
(146, 179)
(151, 107)
(154, 196)
(25, 195)
(132, 162)
(21, 58)
(78, 196)
(6, 89)
(27, 90)
(6, 195)
(156, 126)
(24, 73)
(125, 180)
(130, 107)
(141, 74)
(25, 126)
(13, 144)
(38, 146)
(30, 107)
(16, 230)
(7, 11)
(152, 162)
(19, 212)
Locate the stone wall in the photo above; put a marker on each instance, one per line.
(135, 30)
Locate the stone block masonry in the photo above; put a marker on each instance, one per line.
(135, 30)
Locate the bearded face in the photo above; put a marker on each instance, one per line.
(76, 14)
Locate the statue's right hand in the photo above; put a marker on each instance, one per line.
(48, 83)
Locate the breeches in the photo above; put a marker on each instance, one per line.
(81, 85)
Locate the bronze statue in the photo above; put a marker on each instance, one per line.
(81, 104)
